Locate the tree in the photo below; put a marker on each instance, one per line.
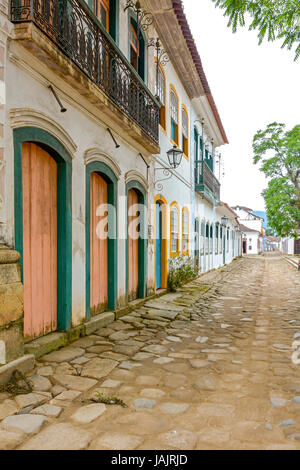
(278, 151)
(270, 232)
(274, 19)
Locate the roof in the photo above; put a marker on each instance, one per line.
(271, 238)
(224, 204)
(250, 211)
(247, 229)
(186, 31)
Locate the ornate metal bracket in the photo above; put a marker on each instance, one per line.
(144, 18)
(157, 183)
(161, 54)
(162, 57)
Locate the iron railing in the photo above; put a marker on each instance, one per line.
(80, 36)
(204, 177)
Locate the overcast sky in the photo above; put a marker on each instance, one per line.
(252, 86)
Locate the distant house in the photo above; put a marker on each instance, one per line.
(271, 243)
(251, 226)
(251, 240)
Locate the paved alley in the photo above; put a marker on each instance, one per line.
(208, 367)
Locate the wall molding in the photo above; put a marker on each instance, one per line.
(28, 117)
(97, 155)
(134, 175)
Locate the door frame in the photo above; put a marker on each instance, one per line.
(112, 190)
(142, 261)
(64, 213)
(164, 246)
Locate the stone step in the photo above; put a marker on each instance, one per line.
(23, 364)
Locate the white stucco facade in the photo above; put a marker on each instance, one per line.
(85, 132)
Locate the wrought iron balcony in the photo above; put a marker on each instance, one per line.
(76, 31)
(206, 183)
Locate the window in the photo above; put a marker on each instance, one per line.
(196, 153)
(185, 231)
(207, 239)
(217, 239)
(174, 229)
(201, 149)
(161, 93)
(134, 47)
(202, 237)
(174, 117)
(185, 132)
(137, 49)
(221, 240)
(211, 239)
(101, 8)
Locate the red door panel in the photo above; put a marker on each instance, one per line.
(99, 246)
(133, 248)
(39, 241)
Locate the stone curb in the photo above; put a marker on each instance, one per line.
(23, 364)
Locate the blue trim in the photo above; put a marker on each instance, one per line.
(64, 213)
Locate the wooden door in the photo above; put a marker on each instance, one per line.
(133, 247)
(158, 245)
(39, 171)
(99, 245)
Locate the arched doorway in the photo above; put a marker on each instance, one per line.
(43, 229)
(161, 254)
(136, 241)
(101, 238)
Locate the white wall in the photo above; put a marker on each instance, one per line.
(288, 246)
(253, 240)
(249, 220)
(27, 100)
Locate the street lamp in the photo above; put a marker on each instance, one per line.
(174, 156)
(224, 220)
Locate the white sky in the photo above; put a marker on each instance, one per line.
(252, 86)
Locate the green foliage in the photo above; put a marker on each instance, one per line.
(270, 232)
(181, 269)
(109, 400)
(278, 152)
(274, 19)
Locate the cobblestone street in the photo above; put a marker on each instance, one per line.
(208, 367)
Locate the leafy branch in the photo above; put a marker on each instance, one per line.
(274, 19)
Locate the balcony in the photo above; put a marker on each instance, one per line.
(72, 35)
(206, 184)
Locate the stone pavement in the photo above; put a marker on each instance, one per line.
(208, 367)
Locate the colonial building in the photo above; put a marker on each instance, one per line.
(94, 95)
(251, 226)
(251, 240)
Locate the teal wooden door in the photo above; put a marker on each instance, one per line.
(158, 245)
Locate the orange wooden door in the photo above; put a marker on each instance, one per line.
(99, 246)
(39, 241)
(133, 247)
